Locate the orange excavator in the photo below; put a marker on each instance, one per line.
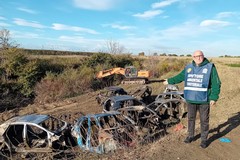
(131, 74)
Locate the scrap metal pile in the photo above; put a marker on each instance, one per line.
(128, 120)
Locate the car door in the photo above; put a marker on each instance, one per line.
(14, 135)
(37, 137)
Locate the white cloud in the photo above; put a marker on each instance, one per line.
(226, 14)
(2, 18)
(163, 3)
(187, 29)
(27, 35)
(120, 27)
(148, 14)
(214, 23)
(187, 3)
(222, 47)
(165, 17)
(81, 43)
(27, 10)
(73, 39)
(2, 24)
(131, 34)
(94, 4)
(23, 22)
(57, 26)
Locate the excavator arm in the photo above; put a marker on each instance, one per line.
(132, 75)
(109, 72)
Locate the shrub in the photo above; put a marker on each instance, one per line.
(172, 64)
(70, 83)
(100, 59)
(20, 72)
(234, 65)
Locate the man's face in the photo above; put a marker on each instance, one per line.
(198, 57)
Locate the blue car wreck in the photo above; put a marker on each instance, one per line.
(104, 132)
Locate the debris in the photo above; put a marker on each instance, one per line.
(178, 127)
(225, 140)
(142, 93)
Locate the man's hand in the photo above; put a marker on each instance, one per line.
(212, 102)
(165, 82)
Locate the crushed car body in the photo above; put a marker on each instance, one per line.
(116, 102)
(147, 121)
(170, 105)
(142, 93)
(31, 133)
(104, 132)
(108, 92)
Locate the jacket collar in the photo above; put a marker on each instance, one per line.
(204, 62)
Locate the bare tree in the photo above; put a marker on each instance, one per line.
(114, 47)
(5, 40)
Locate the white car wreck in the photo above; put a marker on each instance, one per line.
(30, 134)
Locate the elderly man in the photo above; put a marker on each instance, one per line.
(201, 91)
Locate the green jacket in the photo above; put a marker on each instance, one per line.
(214, 85)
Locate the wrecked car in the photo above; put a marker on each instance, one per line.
(104, 132)
(116, 102)
(31, 134)
(170, 105)
(142, 93)
(109, 92)
(170, 92)
(147, 121)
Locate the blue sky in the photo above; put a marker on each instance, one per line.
(162, 26)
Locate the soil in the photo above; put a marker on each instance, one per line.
(224, 122)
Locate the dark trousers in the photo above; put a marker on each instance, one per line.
(204, 110)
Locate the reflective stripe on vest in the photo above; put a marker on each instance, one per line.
(195, 89)
(196, 82)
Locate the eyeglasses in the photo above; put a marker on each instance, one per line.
(199, 56)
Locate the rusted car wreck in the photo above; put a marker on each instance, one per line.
(148, 123)
(104, 132)
(142, 93)
(170, 105)
(30, 134)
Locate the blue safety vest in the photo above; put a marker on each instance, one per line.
(196, 82)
